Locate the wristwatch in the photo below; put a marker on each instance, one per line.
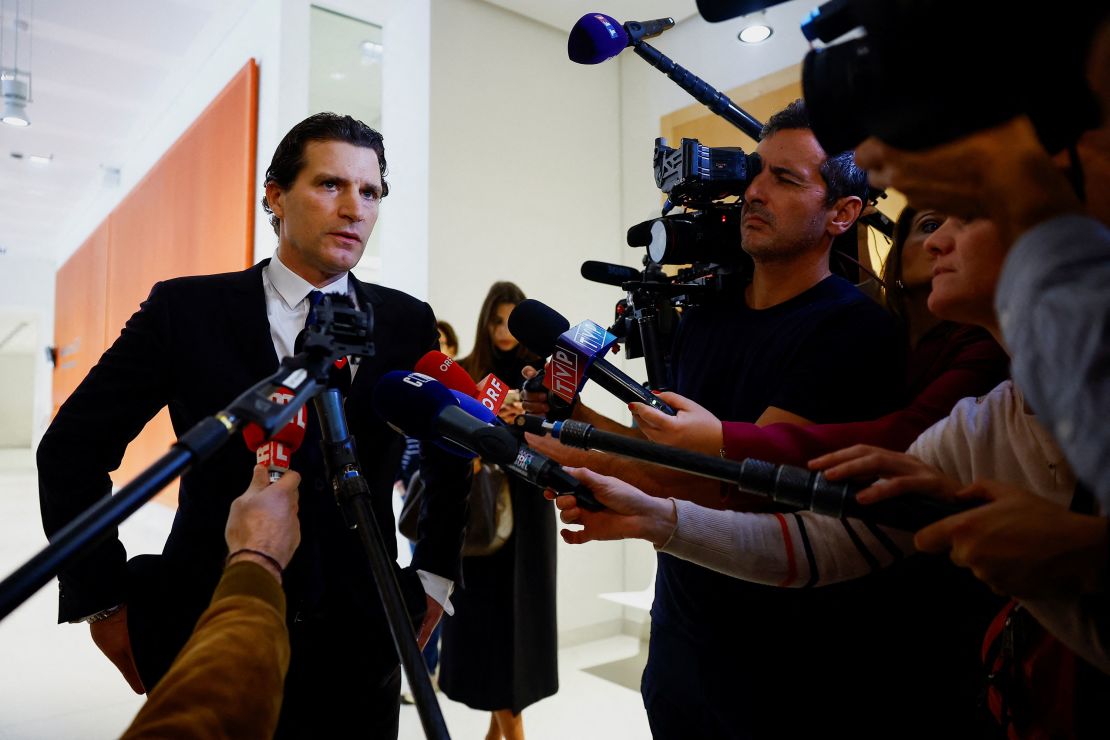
(103, 614)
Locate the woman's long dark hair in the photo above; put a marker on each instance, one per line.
(894, 291)
(479, 362)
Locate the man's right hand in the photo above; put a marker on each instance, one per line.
(111, 636)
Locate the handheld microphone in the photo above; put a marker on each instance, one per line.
(576, 353)
(422, 407)
(277, 452)
(608, 273)
(490, 390)
(790, 485)
(525, 462)
(537, 469)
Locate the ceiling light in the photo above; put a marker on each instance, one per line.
(14, 93)
(15, 68)
(755, 34)
(40, 158)
(338, 76)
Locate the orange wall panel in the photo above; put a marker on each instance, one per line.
(79, 311)
(192, 214)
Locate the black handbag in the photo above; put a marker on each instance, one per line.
(490, 521)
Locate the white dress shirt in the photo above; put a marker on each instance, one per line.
(287, 308)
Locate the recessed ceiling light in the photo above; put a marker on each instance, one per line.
(338, 75)
(755, 34)
(41, 158)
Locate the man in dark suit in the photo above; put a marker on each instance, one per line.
(194, 345)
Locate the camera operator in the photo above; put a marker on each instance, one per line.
(228, 679)
(799, 345)
(1052, 299)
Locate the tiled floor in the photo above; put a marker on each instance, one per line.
(55, 684)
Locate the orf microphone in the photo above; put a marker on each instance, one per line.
(276, 453)
(576, 353)
(490, 391)
(422, 407)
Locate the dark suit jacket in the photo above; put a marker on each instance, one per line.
(195, 344)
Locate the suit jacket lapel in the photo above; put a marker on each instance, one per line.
(368, 298)
(249, 322)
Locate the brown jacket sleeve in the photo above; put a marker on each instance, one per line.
(227, 681)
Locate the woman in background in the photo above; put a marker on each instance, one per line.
(499, 648)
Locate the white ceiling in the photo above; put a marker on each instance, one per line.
(103, 73)
(562, 14)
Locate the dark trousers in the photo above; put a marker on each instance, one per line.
(690, 693)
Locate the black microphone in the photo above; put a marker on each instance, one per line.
(542, 329)
(608, 273)
(423, 408)
(544, 472)
(789, 485)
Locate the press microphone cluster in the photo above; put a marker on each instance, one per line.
(789, 485)
(422, 407)
(576, 353)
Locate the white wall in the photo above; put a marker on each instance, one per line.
(525, 185)
(27, 289)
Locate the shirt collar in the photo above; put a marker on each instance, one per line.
(293, 288)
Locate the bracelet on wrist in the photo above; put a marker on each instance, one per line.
(265, 556)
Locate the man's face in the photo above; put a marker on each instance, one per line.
(784, 211)
(328, 212)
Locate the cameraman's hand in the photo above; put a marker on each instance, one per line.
(631, 513)
(533, 402)
(694, 428)
(898, 472)
(1002, 173)
(1021, 544)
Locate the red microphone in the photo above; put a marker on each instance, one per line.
(276, 452)
(491, 391)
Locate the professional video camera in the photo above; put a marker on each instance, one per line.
(926, 72)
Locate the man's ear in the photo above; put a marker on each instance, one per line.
(274, 196)
(844, 212)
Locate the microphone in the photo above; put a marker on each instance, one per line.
(790, 485)
(608, 273)
(276, 452)
(576, 353)
(524, 462)
(491, 390)
(421, 407)
(597, 37)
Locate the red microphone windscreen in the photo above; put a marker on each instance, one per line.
(437, 365)
(491, 392)
(291, 435)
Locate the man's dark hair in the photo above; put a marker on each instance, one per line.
(842, 176)
(288, 158)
